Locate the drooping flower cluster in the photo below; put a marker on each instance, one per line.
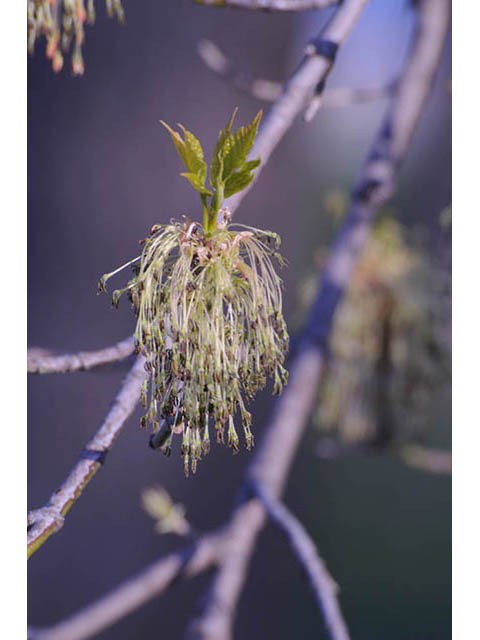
(389, 363)
(209, 323)
(61, 22)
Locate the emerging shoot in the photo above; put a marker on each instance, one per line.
(209, 307)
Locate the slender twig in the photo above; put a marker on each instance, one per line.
(42, 361)
(301, 87)
(269, 90)
(436, 461)
(135, 592)
(275, 454)
(270, 5)
(44, 522)
(282, 435)
(323, 586)
(427, 459)
(205, 552)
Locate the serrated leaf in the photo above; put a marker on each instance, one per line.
(234, 158)
(224, 143)
(216, 168)
(251, 164)
(197, 183)
(195, 154)
(177, 141)
(240, 179)
(237, 182)
(190, 151)
(230, 120)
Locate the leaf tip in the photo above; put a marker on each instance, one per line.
(232, 118)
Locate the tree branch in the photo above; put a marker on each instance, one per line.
(275, 454)
(135, 592)
(437, 461)
(282, 435)
(44, 522)
(269, 90)
(270, 5)
(306, 81)
(323, 586)
(191, 560)
(42, 361)
(427, 459)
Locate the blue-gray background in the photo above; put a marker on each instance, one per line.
(101, 171)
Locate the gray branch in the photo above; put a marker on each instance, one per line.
(424, 458)
(274, 456)
(323, 586)
(202, 554)
(270, 5)
(300, 89)
(269, 90)
(427, 459)
(42, 361)
(134, 593)
(273, 460)
(44, 522)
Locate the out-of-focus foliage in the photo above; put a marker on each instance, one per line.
(390, 345)
(169, 517)
(62, 22)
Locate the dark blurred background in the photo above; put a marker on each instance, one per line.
(101, 171)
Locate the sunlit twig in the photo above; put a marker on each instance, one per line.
(270, 5)
(44, 522)
(269, 90)
(271, 465)
(42, 361)
(323, 586)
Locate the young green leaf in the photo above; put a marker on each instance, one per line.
(216, 168)
(251, 164)
(237, 182)
(224, 143)
(195, 153)
(238, 149)
(197, 183)
(190, 151)
(231, 119)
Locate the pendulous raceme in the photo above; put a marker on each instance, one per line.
(208, 304)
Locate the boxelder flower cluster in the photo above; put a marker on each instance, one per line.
(62, 22)
(209, 307)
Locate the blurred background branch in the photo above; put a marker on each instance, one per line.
(135, 592)
(269, 90)
(282, 435)
(323, 586)
(301, 86)
(427, 459)
(270, 5)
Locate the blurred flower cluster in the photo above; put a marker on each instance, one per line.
(62, 23)
(390, 345)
